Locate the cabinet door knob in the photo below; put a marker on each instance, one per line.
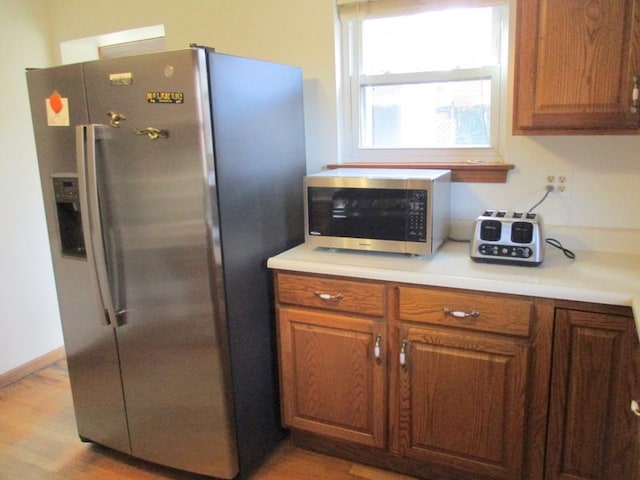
(403, 353)
(377, 349)
(635, 94)
(635, 407)
(459, 314)
(328, 296)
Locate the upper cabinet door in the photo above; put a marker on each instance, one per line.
(575, 64)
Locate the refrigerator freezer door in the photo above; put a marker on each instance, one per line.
(91, 350)
(153, 194)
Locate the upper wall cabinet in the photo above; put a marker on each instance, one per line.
(577, 66)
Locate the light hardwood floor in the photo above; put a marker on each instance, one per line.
(38, 441)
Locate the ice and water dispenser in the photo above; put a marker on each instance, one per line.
(67, 199)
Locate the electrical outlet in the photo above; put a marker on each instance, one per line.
(560, 181)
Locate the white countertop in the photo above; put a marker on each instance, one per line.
(598, 277)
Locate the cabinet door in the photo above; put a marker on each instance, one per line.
(592, 430)
(575, 66)
(463, 401)
(333, 375)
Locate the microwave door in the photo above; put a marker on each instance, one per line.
(371, 218)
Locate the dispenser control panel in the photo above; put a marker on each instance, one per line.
(66, 189)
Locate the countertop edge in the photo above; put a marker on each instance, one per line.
(301, 259)
(596, 278)
(452, 281)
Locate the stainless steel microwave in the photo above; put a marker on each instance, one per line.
(385, 210)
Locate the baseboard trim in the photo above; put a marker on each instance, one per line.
(28, 368)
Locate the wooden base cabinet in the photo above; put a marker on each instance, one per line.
(464, 380)
(463, 402)
(332, 362)
(593, 434)
(333, 384)
(448, 384)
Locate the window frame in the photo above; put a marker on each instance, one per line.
(351, 81)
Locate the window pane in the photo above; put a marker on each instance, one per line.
(438, 40)
(451, 114)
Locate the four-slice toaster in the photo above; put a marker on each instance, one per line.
(508, 237)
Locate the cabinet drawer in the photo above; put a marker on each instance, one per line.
(483, 312)
(362, 297)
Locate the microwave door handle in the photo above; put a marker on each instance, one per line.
(86, 136)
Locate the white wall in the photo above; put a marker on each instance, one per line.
(295, 32)
(29, 320)
(600, 209)
(605, 169)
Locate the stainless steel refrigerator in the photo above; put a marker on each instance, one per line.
(168, 180)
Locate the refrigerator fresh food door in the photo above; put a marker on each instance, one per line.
(152, 189)
(58, 103)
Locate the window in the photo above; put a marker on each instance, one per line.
(421, 82)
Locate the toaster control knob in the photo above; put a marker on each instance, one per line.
(524, 252)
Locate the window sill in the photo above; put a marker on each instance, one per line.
(460, 172)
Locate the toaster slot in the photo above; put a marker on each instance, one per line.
(522, 232)
(490, 230)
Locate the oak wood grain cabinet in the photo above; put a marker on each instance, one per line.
(452, 384)
(333, 377)
(576, 66)
(593, 434)
(465, 388)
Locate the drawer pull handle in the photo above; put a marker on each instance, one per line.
(635, 407)
(327, 296)
(459, 314)
(377, 349)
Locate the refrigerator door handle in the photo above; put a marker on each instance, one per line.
(86, 136)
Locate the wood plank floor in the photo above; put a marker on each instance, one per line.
(38, 441)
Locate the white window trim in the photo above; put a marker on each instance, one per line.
(349, 122)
